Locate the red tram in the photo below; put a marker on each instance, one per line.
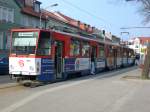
(46, 55)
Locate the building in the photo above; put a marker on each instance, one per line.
(59, 21)
(108, 37)
(115, 39)
(14, 14)
(8, 19)
(139, 44)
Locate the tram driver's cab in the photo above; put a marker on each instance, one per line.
(31, 55)
(30, 50)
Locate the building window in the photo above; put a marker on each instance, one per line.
(0, 13)
(6, 14)
(1, 41)
(8, 40)
(75, 48)
(11, 15)
(37, 7)
(30, 21)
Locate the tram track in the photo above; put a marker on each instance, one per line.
(21, 86)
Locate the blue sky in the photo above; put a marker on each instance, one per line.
(110, 15)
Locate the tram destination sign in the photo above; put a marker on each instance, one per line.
(25, 34)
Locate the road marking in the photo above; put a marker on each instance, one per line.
(24, 101)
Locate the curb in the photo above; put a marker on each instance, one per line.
(8, 85)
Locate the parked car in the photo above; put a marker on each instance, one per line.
(4, 65)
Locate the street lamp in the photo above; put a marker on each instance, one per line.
(53, 5)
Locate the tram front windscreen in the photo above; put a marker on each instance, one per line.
(24, 43)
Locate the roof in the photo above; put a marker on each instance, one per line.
(144, 38)
(74, 22)
(30, 11)
(53, 15)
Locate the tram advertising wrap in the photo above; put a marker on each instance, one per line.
(24, 66)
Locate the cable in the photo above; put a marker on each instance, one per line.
(85, 11)
(135, 28)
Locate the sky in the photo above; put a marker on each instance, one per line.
(110, 15)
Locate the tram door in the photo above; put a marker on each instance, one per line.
(59, 59)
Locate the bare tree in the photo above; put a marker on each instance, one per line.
(145, 9)
(145, 72)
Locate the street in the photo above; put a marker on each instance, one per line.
(101, 93)
(4, 79)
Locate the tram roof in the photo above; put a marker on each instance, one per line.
(66, 33)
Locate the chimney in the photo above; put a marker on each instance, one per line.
(88, 28)
(29, 3)
(93, 29)
(85, 27)
(103, 32)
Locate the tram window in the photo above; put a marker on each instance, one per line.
(75, 48)
(110, 51)
(118, 52)
(85, 49)
(130, 54)
(124, 54)
(24, 42)
(101, 52)
(44, 44)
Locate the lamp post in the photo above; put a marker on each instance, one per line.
(53, 5)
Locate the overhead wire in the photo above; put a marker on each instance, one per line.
(85, 11)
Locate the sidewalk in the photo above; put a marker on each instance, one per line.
(138, 98)
(135, 74)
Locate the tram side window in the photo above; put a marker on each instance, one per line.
(125, 53)
(118, 52)
(85, 49)
(101, 52)
(44, 44)
(110, 54)
(75, 48)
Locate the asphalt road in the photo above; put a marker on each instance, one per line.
(100, 93)
(4, 79)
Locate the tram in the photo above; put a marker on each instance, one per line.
(48, 55)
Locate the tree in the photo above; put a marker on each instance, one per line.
(145, 9)
(145, 72)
